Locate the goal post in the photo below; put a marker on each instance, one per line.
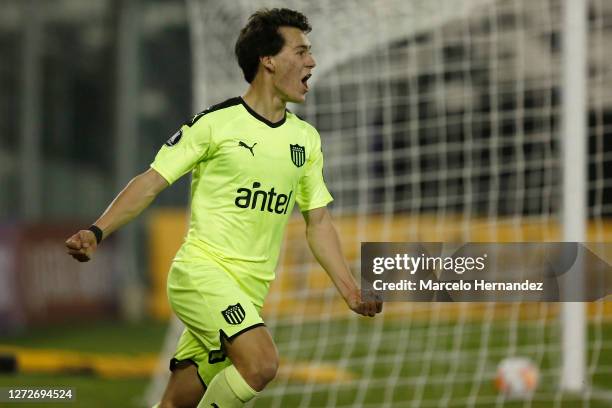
(574, 215)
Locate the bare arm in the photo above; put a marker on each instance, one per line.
(128, 204)
(325, 246)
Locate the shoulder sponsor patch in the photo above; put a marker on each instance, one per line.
(175, 138)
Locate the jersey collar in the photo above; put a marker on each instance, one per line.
(261, 118)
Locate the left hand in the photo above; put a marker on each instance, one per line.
(368, 306)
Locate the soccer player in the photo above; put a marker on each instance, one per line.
(251, 160)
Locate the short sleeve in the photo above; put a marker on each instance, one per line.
(312, 192)
(180, 154)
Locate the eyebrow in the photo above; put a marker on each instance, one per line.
(305, 47)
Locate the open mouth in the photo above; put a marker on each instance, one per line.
(305, 80)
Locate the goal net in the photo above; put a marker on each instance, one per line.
(440, 121)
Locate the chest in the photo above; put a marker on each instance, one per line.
(272, 155)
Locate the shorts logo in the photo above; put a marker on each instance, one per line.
(234, 314)
(298, 154)
(175, 138)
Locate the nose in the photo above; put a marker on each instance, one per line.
(311, 62)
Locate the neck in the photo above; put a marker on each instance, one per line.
(265, 102)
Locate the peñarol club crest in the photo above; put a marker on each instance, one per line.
(298, 154)
(234, 314)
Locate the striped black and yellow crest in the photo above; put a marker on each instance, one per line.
(298, 154)
(234, 314)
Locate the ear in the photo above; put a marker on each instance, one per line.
(268, 63)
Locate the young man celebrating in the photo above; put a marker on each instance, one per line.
(251, 161)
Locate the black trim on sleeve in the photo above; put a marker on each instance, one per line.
(225, 104)
(261, 118)
(174, 363)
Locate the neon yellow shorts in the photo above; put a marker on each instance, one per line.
(212, 305)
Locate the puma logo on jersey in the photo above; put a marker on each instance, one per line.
(246, 146)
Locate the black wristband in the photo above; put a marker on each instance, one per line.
(97, 232)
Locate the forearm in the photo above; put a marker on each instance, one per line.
(129, 203)
(325, 246)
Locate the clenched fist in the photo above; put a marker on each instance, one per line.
(368, 305)
(82, 245)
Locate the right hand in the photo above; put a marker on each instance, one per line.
(368, 306)
(82, 245)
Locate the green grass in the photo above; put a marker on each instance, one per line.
(456, 364)
(90, 392)
(448, 356)
(99, 337)
(102, 337)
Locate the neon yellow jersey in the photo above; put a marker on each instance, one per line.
(247, 175)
